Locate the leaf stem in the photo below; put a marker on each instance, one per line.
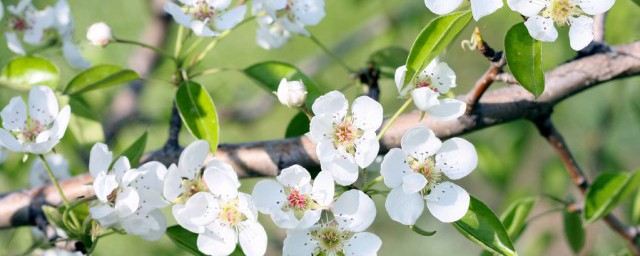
(155, 49)
(394, 118)
(422, 231)
(179, 41)
(373, 182)
(54, 180)
(331, 54)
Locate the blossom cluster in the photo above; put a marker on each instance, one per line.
(31, 24)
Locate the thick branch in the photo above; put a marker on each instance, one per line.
(495, 107)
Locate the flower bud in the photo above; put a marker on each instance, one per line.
(99, 34)
(291, 94)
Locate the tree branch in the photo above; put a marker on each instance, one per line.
(266, 158)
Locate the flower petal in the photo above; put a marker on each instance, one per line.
(420, 142)
(222, 243)
(298, 242)
(481, 8)
(61, 123)
(120, 167)
(43, 106)
(367, 113)
(172, 188)
(424, 98)
(443, 78)
(177, 13)
(14, 115)
(127, 202)
(580, 32)
(404, 208)
(10, 142)
(448, 109)
(363, 244)
(268, 194)
(394, 166)
(593, 7)
(150, 226)
(220, 184)
(99, 159)
(441, 7)
(354, 211)
(218, 4)
(199, 211)
(231, 18)
(103, 185)
(192, 158)
(456, 158)
(225, 168)
(321, 128)
(413, 183)
(333, 103)
(295, 177)
(527, 7)
(344, 170)
(13, 43)
(541, 28)
(323, 189)
(308, 13)
(253, 238)
(367, 148)
(448, 202)
(401, 72)
(73, 55)
(202, 29)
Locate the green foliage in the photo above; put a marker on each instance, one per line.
(135, 151)
(635, 210)
(514, 218)
(524, 57)
(24, 72)
(637, 2)
(483, 227)
(184, 239)
(198, 113)
(389, 59)
(298, 126)
(433, 39)
(573, 230)
(607, 191)
(62, 218)
(269, 74)
(84, 124)
(99, 77)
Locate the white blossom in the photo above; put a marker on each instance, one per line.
(417, 172)
(293, 202)
(38, 176)
(435, 80)
(36, 129)
(206, 17)
(542, 14)
(479, 8)
(279, 19)
(345, 140)
(185, 179)
(344, 235)
(291, 93)
(99, 34)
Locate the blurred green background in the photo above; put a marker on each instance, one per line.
(602, 125)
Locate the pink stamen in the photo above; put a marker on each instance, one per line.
(296, 200)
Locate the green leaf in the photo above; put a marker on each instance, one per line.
(635, 210)
(53, 215)
(268, 75)
(524, 57)
(433, 39)
(482, 226)
(135, 151)
(24, 72)
(184, 239)
(298, 126)
(84, 125)
(98, 77)
(607, 191)
(422, 232)
(515, 217)
(637, 2)
(389, 59)
(198, 113)
(574, 230)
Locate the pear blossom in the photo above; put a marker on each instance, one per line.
(417, 173)
(435, 80)
(479, 8)
(99, 34)
(206, 17)
(38, 175)
(291, 93)
(293, 202)
(127, 198)
(279, 19)
(36, 129)
(185, 179)
(542, 14)
(353, 213)
(345, 140)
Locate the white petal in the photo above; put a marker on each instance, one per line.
(61, 123)
(298, 242)
(246, 206)
(38, 174)
(404, 208)
(367, 113)
(199, 211)
(528, 8)
(192, 158)
(213, 244)
(308, 13)
(127, 202)
(14, 115)
(363, 244)
(150, 226)
(253, 238)
(218, 4)
(593, 7)
(99, 159)
(413, 183)
(441, 7)
(272, 36)
(456, 158)
(73, 55)
(580, 32)
(399, 79)
(201, 29)
(20, 7)
(481, 8)
(13, 43)
(295, 177)
(354, 211)
(394, 166)
(172, 188)
(268, 194)
(182, 219)
(178, 15)
(231, 18)
(443, 78)
(225, 168)
(323, 189)
(333, 103)
(326, 152)
(288, 220)
(100, 211)
(294, 26)
(10, 142)
(542, 29)
(367, 148)
(420, 142)
(220, 184)
(344, 170)
(424, 98)
(43, 106)
(448, 109)
(120, 167)
(448, 202)
(103, 185)
(321, 128)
